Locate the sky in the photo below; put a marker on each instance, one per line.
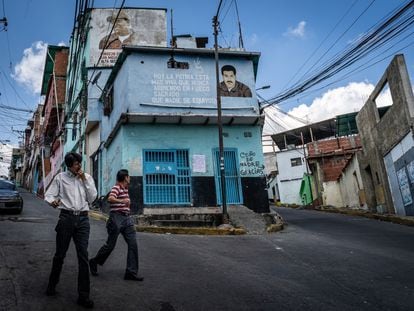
(293, 37)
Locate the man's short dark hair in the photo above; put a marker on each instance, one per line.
(72, 157)
(228, 68)
(121, 175)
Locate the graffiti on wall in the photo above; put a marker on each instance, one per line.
(249, 165)
(404, 187)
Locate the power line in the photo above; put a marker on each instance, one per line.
(11, 85)
(357, 70)
(394, 26)
(340, 37)
(323, 41)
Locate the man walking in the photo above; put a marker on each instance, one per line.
(70, 192)
(119, 221)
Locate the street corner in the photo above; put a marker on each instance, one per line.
(191, 230)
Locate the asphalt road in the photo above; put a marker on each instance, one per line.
(320, 261)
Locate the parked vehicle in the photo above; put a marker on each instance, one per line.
(10, 198)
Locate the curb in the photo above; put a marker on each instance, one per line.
(176, 230)
(389, 218)
(274, 228)
(190, 230)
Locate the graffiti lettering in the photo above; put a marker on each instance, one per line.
(248, 164)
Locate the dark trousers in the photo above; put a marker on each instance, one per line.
(68, 227)
(116, 224)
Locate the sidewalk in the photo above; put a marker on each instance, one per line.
(242, 221)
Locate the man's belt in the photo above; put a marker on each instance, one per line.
(124, 213)
(74, 213)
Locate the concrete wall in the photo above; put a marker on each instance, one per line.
(351, 186)
(126, 151)
(144, 85)
(332, 194)
(200, 140)
(380, 134)
(92, 144)
(328, 158)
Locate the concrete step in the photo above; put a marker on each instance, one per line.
(181, 223)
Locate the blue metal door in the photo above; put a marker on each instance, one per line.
(231, 168)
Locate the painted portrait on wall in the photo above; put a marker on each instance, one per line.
(230, 86)
(145, 27)
(122, 33)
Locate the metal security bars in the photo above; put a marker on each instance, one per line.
(167, 177)
(233, 183)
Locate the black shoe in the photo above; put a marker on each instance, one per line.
(85, 302)
(93, 267)
(51, 291)
(132, 277)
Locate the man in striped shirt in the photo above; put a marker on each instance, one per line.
(119, 221)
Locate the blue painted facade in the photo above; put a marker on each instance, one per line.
(165, 110)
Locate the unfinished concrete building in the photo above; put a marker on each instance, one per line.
(387, 160)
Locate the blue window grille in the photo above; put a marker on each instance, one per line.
(167, 177)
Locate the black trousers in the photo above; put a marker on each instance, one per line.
(76, 228)
(120, 224)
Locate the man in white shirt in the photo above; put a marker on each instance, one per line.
(71, 192)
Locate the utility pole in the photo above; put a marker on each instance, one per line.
(219, 120)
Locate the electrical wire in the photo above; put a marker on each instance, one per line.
(394, 26)
(323, 41)
(354, 71)
(340, 37)
(11, 85)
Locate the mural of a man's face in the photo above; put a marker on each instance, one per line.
(122, 27)
(229, 79)
(122, 24)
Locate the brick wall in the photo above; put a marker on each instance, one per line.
(333, 154)
(320, 147)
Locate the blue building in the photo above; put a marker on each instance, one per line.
(152, 109)
(160, 122)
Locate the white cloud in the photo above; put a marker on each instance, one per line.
(334, 102)
(29, 70)
(298, 31)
